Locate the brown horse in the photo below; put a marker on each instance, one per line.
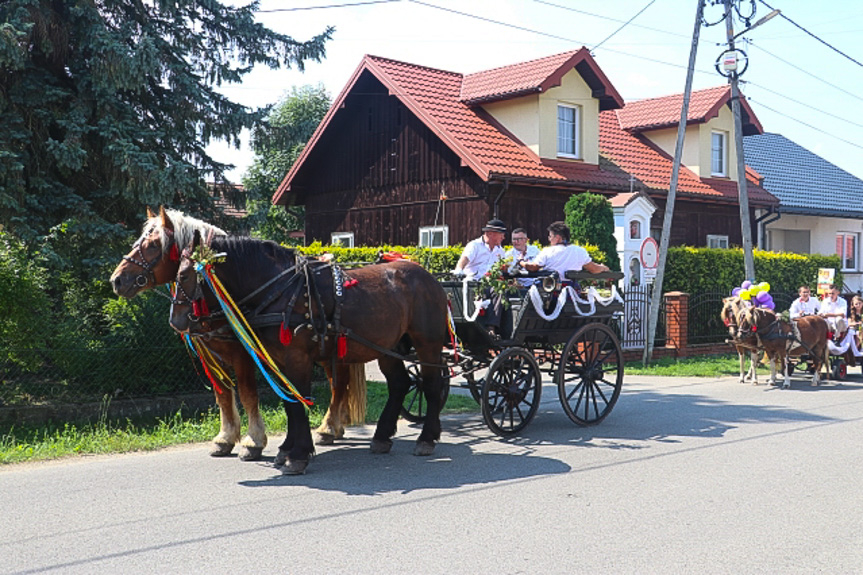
(780, 339)
(731, 310)
(329, 316)
(154, 260)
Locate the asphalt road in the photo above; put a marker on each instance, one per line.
(685, 476)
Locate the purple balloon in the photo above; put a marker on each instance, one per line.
(736, 291)
(763, 297)
(770, 305)
(746, 285)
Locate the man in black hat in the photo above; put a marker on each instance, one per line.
(480, 254)
(476, 259)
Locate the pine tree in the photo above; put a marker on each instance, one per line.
(591, 220)
(278, 142)
(107, 106)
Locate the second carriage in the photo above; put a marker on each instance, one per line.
(564, 331)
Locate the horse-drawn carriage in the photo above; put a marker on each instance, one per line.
(557, 329)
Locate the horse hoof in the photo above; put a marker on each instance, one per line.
(221, 449)
(295, 467)
(280, 459)
(381, 446)
(325, 439)
(424, 448)
(250, 453)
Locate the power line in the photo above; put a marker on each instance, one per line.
(326, 6)
(805, 105)
(624, 25)
(819, 130)
(843, 90)
(838, 51)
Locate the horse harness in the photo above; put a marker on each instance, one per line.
(774, 332)
(142, 280)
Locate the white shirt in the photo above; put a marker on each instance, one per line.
(838, 306)
(563, 257)
(528, 256)
(480, 258)
(800, 308)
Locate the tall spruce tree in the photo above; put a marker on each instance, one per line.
(107, 106)
(278, 142)
(591, 220)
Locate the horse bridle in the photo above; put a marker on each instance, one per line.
(141, 280)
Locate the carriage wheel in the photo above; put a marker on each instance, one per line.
(414, 407)
(839, 369)
(511, 391)
(590, 375)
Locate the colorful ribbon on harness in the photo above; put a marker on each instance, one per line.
(247, 337)
(218, 377)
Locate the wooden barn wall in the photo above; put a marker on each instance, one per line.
(532, 209)
(378, 172)
(693, 221)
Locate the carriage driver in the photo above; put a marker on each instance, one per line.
(803, 305)
(476, 259)
(835, 310)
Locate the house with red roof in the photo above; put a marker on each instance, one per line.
(414, 155)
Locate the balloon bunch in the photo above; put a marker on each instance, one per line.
(758, 294)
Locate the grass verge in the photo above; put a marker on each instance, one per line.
(104, 436)
(702, 366)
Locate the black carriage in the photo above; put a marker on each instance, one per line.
(577, 347)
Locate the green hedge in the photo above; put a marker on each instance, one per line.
(435, 260)
(699, 270)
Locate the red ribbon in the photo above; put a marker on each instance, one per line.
(342, 346)
(174, 253)
(285, 334)
(350, 282)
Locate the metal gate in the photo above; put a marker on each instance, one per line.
(633, 324)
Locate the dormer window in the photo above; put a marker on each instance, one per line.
(719, 154)
(568, 131)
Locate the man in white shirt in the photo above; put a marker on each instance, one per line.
(561, 256)
(835, 310)
(480, 254)
(476, 259)
(521, 250)
(803, 305)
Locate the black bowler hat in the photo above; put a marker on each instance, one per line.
(495, 226)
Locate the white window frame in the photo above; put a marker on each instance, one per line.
(569, 133)
(344, 239)
(841, 249)
(717, 241)
(428, 232)
(722, 170)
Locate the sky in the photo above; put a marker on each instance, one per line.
(798, 86)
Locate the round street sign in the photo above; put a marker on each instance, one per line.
(649, 253)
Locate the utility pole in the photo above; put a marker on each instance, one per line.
(743, 195)
(653, 315)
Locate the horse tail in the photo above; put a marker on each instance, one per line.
(356, 412)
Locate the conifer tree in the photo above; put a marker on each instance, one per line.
(107, 106)
(591, 220)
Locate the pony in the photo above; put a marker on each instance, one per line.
(327, 315)
(731, 309)
(781, 339)
(155, 260)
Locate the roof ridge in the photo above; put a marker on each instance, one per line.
(394, 61)
(526, 62)
(680, 95)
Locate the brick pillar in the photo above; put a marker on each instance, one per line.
(677, 321)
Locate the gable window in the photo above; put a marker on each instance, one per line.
(716, 241)
(434, 236)
(846, 249)
(568, 131)
(719, 153)
(344, 239)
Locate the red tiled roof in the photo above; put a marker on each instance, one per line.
(536, 76)
(635, 154)
(436, 98)
(664, 112)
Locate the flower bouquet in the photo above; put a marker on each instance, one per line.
(496, 281)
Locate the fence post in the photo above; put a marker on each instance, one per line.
(677, 321)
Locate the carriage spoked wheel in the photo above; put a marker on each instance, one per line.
(414, 407)
(475, 379)
(590, 374)
(511, 391)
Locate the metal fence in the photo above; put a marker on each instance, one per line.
(633, 324)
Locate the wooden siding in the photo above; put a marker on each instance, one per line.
(693, 221)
